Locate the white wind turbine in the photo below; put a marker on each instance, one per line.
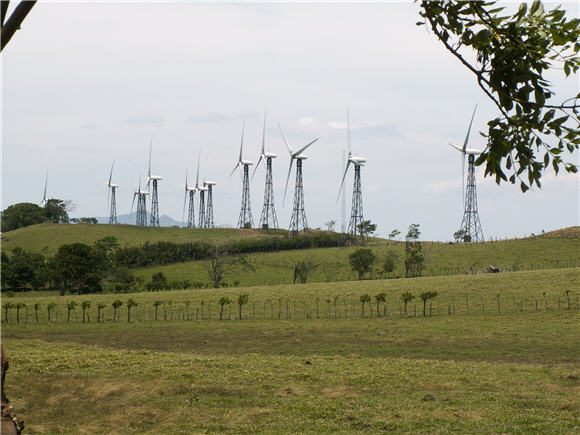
(245, 219)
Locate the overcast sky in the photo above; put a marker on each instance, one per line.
(84, 84)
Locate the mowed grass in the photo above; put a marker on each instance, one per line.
(440, 259)
(47, 238)
(508, 373)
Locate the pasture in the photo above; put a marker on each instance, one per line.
(476, 370)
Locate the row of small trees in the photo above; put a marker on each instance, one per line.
(243, 299)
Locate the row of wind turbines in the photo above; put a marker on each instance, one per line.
(470, 228)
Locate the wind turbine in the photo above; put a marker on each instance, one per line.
(298, 220)
(268, 218)
(141, 196)
(112, 189)
(201, 189)
(43, 202)
(245, 219)
(189, 191)
(154, 197)
(209, 223)
(356, 214)
(470, 224)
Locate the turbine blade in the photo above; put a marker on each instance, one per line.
(197, 175)
(186, 179)
(184, 202)
(469, 129)
(264, 133)
(285, 141)
(45, 185)
(257, 164)
(300, 151)
(150, 149)
(287, 179)
(242, 141)
(342, 182)
(231, 173)
(348, 132)
(132, 204)
(111, 173)
(457, 148)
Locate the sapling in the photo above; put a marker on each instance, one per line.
(224, 300)
(36, 307)
(381, 297)
(364, 299)
(49, 309)
(242, 300)
(116, 304)
(19, 306)
(70, 307)
(130, 304)
(100, 307)
(406, 298)
(85, 305)
(7, 306)
(156, 305)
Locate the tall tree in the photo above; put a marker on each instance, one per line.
(22, 214)
(513, 58)
(55, 211)
(362, 261)
(414, 258)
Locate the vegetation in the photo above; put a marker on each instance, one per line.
(513, 58)
(362, 261)
(414, 259)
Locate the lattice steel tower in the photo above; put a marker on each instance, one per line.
(470, 224)
(141, 196)
(154, 222)
(268, 218)
(298, 220)
(245, 219)
(201, 219)
(209, 223)
(189, 194)
(356, 215)
(112, 189)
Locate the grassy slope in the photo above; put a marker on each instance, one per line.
(277, 268)
(48, 237)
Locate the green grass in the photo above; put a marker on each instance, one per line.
(278, 267)
(470, 374)
(48, 238)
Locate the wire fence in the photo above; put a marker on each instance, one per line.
(287, 309)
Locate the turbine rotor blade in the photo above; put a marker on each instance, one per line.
(257, 164)
(45, 185)
(264, 133)
(197, 175)
(342, 182)
(242, 141)
(231, 173)
(287, 179)
(184, 202)
(285, 141)
(469, 129)
(348, 132)
(111, 173)
(301, 150)
(456, 147)
(132, 204)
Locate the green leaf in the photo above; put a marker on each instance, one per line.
(524, 187)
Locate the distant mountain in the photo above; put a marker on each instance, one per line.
(164, 221)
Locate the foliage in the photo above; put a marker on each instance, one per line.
(242, 300)
(406, 298)
(22, 215)
(224, 300)
(362, 261)
(393, 234)
(55, 211)
(84, 220)
(302, 269)
(426, 296)
(80, 267)
(220, 260)
(516, 56)
(390, 262)
(330, 224)
(158, 282)
(414, 259)
(459, 236)
(366, 228)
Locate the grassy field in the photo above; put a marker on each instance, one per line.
(48, 238)
(508, 373)
(440, 259)
(520, 291)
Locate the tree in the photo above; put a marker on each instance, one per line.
(116, 304)
(10, 26)
(330, 225)
(51, 306)
(224, 300)
(21, 215)
(363, 300)
(406, 298)
(55, 211)
(414, 259)
(393, 234)
(302, 269)
(242, 300)
(70, 307)
(7, 306)
(158, 282)
(24, 269)
(130, 304)
(366, 228)
(362, 261)
(381, 297)
(80, 266)
(390, 261)
(19, 306)
(100, 306)
(220, 258)
(459, 236)
(85, 305)
(516, 56)
(36, 307)
(425, 296)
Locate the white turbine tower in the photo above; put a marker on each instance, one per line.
(245, 219)
(201, 189)
(112, 193)
(268, 219)
(470, 224)
(298, 220)
(356, 214)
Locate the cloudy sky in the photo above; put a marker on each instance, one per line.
(84, 84)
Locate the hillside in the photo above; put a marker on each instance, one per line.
(48, 238)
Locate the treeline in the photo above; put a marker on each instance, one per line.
(163, 253)
(105, 265)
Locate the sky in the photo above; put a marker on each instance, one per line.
(84, 84)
